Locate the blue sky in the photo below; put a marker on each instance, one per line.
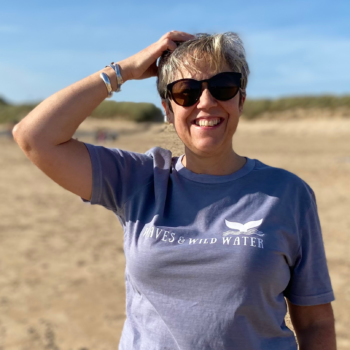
(293, 47)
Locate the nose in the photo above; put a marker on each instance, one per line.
(206, 100)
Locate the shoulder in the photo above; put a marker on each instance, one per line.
(161, 157)
(155, 156)
(282, 180)
(279, 175)
(141, 168)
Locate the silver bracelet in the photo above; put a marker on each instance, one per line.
(115, 67)
(115, 70)
(107, 82)
(120, 81)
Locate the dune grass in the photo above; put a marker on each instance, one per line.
(138, 112)
(253, 108)
(141, 112)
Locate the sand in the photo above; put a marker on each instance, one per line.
(62, 263)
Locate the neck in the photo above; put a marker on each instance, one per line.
(220, 164)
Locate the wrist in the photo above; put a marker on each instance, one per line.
(124, 71)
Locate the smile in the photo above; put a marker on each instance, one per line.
(208, 121)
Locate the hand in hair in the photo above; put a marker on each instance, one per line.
(144, 64)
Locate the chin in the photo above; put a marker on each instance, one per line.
(207, 149)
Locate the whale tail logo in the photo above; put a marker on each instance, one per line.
(250, 228)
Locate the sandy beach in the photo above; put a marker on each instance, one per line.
(62, 262)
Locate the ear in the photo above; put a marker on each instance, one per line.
(168, 112)
(241, 102)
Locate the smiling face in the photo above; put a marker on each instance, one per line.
(207, 127)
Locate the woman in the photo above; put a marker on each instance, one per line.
(214, 241)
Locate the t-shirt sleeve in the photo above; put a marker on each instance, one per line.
(117, 175)
(310, 282)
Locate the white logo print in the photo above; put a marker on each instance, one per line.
(250, 228)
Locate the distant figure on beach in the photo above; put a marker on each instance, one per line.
(217, 245)
(100, 136)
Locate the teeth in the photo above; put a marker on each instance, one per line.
(206, 122)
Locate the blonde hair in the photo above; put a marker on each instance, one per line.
(217, 50)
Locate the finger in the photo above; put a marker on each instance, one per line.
(171, 45)
(171, 39)
(180, 36)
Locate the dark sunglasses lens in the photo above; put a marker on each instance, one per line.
(186, 92)
(224, 87)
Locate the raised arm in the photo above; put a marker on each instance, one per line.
(45, 134)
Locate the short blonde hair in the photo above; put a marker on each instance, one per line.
(217, 49)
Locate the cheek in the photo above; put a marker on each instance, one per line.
(181, 117)
(233, 108)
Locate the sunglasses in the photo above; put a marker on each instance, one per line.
(222, 86)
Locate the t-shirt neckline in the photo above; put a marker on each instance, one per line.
(205, 178)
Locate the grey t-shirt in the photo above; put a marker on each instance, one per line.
(209, 259)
